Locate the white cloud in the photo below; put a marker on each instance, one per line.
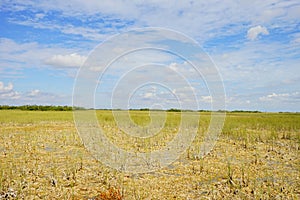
(4, 88)
(9, 96)
(258, 65)
(39, 16)
(33, 54)
(297, 40)
(206, 99)
(288, 101)
(7, 92)
(149, 95)
(199, 19)
(34, 93)
(254, 32)
(280, 96)
(70, 60)
(88, 33)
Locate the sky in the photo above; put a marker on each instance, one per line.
(253, 45)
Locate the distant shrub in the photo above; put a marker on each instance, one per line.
(174, 110)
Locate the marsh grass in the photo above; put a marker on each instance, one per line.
(256, 157)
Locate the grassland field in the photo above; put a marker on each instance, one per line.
(255, 157)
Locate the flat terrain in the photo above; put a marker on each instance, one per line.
(256, 157)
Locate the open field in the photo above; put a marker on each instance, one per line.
(256, 157)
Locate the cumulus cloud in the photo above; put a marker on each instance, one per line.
(34, 93)
(70, 60)
(7, 92)
(254, 32)
(4, 88)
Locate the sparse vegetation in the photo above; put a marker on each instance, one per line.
(256, 157)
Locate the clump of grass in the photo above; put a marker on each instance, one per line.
(111, 194)
(229, 174)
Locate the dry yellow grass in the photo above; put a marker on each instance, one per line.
(256, 157)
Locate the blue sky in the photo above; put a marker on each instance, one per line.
(254, 44)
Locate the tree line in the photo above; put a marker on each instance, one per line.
(70, 108)
(36, 107)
